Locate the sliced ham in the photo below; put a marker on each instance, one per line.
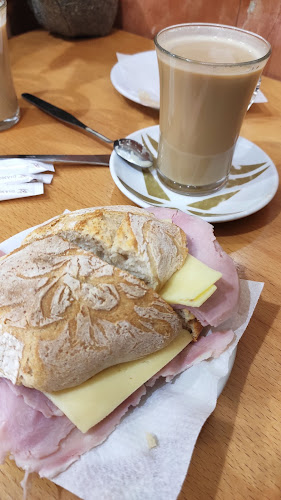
(49, 445)
(202, 244)
(205, 348)
(78, 443)
(25, 431)
(36, 400)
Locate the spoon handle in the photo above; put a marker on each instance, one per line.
(61, 115)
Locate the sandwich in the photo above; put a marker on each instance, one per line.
(95, 306)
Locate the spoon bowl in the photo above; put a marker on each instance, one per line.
(133, 152)
(129, 150)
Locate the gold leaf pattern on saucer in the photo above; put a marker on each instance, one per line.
(145, 143)
(153, 142)
(209, 214)
(147, 199)
(238, 181)
(245, 169)
(252, 183)
(152, 186)
(212, 202)
(155, 193)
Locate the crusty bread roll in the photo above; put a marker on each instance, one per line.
(127, 237)
(65, 314)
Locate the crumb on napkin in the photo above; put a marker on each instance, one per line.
(151, 440)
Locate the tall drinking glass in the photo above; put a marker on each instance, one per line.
(9, 109)
(208, 73)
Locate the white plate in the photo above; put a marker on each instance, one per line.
(136, 77)
(252, 183)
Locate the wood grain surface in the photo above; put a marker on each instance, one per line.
(237, 455)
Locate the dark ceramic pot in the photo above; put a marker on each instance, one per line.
(75, 18)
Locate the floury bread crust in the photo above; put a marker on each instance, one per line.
(65, 315)
(127, 237)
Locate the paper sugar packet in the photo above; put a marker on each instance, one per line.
(25, 178)
(20, 178)
(24, 166)
(13, 191)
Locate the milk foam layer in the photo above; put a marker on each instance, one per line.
(210, 49)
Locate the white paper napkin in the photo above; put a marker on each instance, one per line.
(260, 97)
(140, 77)
(124, 467)
(20, 178)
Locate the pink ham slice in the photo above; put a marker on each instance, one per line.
(202, 244)
(50, 444)
(205, 348)
(24, 430)
(36, 400)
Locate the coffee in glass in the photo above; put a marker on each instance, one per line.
(9, 109)
(208, 74)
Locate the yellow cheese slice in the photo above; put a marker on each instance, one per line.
(191, 285)
(200, 299)
(90, 402)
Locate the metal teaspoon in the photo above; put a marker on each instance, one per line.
(131, 151)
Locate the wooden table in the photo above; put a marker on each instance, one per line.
(237, 455)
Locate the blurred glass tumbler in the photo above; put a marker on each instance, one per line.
(9, 109)
(208, 75)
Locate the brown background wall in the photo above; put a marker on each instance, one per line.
(147, 17)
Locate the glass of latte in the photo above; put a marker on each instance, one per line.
(208, 74)
(9, 109)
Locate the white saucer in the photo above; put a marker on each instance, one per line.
(252, 184)
(136, 77)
